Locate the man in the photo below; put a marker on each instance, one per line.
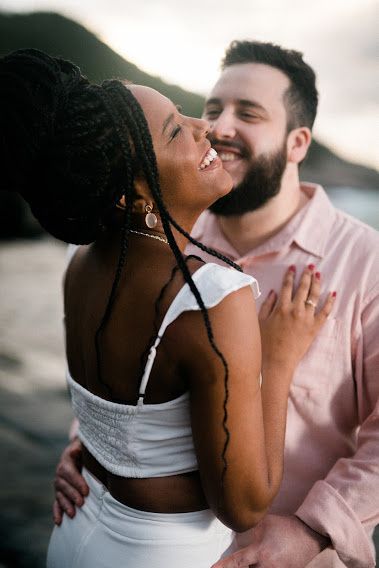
(261, 113)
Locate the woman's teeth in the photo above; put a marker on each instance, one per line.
(209, 157)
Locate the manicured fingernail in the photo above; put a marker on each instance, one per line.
(311, 266)
(292, 268)
(318, 275)
(334, 294)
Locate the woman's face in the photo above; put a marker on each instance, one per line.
(190, 182)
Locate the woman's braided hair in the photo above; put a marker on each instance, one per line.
(71, 148)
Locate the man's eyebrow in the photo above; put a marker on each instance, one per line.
(170, 118)
(247, 103)
(250, 104)
(213, 101)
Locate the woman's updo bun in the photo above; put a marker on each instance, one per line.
(58, 146)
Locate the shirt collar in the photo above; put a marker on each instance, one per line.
(317, 220)
(308, 229)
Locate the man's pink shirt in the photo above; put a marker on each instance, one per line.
(331, 471)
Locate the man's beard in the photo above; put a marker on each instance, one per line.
(260, 184)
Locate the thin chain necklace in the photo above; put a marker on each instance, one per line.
(156, 237)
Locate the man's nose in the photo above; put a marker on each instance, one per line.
(223, 126)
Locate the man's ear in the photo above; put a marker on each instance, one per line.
(298, 142)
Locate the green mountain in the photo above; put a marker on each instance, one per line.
(63, 37)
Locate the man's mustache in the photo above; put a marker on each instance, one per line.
(230, 144)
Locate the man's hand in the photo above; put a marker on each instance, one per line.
(276, 542)
(70, 486)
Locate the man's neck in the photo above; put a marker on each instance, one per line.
(248, 231)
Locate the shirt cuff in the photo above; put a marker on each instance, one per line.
(326, 512)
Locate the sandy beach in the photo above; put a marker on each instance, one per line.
(34, 405)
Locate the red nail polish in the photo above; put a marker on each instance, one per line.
(334, 294)
(292, 268)
(311, 266)
(318, 275)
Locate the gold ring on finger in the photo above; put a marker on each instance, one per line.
(309, 302)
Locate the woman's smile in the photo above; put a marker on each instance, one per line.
(208, 158)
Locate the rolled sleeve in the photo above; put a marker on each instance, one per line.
(325, 511)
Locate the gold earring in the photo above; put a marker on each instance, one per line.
(150, 219)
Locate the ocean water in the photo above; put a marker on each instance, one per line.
(360, 203)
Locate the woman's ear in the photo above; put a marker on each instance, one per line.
(122, 202)
(298, 142)
(143, 196)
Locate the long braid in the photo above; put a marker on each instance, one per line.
(144, 148)
(125, 231)
(157, 308)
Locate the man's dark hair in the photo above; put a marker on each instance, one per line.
(301, 97)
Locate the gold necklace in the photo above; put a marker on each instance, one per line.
(156, 237)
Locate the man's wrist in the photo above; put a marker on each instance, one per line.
(322, 540)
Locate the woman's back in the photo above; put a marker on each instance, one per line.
(135, 320)
(172, 427)
(124, 348)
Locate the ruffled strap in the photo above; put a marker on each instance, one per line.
(214, 283)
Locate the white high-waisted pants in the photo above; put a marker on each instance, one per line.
(107, 534)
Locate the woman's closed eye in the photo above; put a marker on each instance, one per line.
(175, 132)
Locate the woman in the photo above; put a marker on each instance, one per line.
(181, 444)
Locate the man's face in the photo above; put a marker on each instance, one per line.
(249, 130)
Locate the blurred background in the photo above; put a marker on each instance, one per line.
(174, 46)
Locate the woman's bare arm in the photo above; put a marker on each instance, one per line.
(256, 417)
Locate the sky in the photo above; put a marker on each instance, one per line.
(183, 41)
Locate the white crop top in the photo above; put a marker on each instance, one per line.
(152, 440)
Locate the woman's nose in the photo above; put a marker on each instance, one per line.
(202, 127)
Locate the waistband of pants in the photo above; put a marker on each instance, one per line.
(147, 525)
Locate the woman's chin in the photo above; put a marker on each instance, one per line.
(226, 187)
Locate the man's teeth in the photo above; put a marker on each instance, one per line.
(209, 157)
(228, 156)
